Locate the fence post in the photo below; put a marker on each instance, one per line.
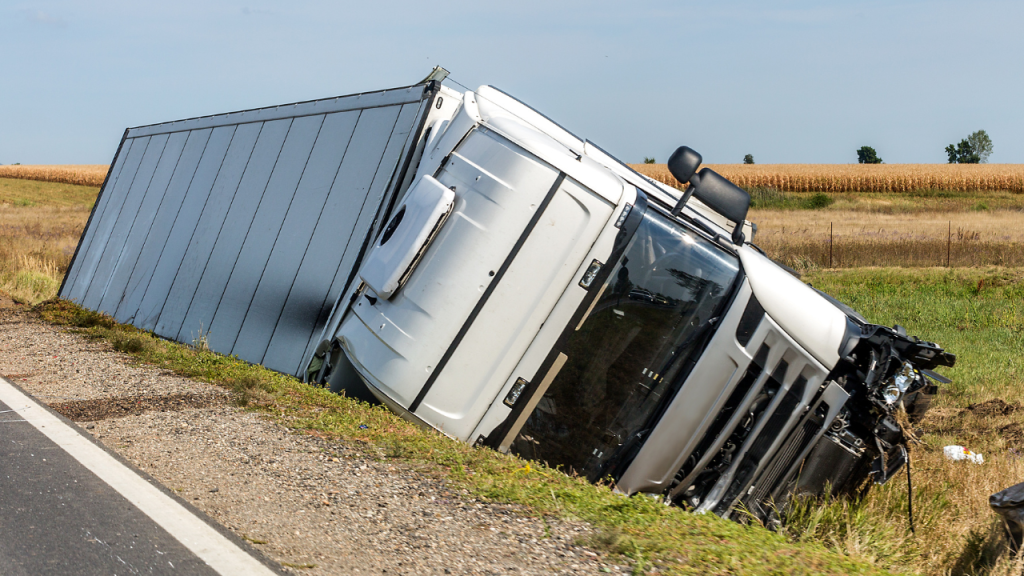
(830, 241)
(949, 239)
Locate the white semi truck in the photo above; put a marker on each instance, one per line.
(533, 294)
(482, 271)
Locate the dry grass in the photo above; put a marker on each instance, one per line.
(40, 224)
(956, 532)
(79, 174)
(975, 313)
(861, 177)
(801, 238)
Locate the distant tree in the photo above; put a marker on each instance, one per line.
(981, 144)
(748, 159)
(974, 149)
(962, 153)
(648, 160)
(867, 155)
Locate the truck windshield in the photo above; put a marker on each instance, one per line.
(662, 297)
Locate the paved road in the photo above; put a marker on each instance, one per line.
(69, 507)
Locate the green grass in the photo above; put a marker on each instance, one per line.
(773, 199)
(26, 193)
(977, 314)
(640, 528)
(917, 201)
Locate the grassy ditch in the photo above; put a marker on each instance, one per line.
(652, 535)
(978, 314)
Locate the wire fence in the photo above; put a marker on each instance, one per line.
(954, 247)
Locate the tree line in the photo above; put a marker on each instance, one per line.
(975, 149)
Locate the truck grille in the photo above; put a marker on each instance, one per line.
(759, 446)
(795, 445)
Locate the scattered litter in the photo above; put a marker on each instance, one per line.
(957, 453)
(363, 426)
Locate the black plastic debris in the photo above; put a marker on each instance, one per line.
(1009, 504)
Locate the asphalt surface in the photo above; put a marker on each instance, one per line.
(59, 517)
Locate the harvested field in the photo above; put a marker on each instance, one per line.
(860, 177)
(78, 174)
(803, 239)
(40, 224)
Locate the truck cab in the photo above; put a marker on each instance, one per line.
(531, 293)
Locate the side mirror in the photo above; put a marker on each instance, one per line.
(709, 187)
(683, 163)
(722, 196)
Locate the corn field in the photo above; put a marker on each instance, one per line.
(80, 174)
(787, 177)
(860, 177)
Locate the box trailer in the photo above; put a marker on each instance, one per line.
(482, 271)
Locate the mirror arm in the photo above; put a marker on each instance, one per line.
(694, 182)
(737, 234)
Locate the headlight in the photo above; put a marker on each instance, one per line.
(891, 393)
(905, 377)
(895, 387)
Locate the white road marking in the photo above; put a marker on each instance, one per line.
(208, 544)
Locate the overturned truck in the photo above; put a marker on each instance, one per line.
(482, 271)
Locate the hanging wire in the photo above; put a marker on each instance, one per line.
(910, 493)
(456, 82)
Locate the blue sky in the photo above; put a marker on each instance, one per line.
(784, 81)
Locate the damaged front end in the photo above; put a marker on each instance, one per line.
(889, 378)
(854, 433)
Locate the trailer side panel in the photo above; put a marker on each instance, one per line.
(237, 227)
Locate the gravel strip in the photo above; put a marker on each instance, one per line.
(315, 506)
